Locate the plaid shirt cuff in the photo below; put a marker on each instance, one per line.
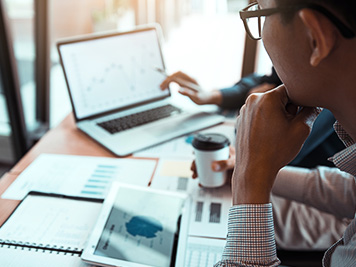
(250, 240)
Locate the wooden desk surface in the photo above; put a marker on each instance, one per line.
(6, 205)
(63, 139)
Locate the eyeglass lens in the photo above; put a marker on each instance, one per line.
(255, 24)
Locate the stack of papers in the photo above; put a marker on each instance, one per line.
(80, 176)
(91, 177)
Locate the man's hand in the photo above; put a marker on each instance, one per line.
(219, 165)
(270, 133)
(262, 88)
(198, 97)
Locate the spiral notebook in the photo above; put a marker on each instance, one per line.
(19, 257)
(48, 224)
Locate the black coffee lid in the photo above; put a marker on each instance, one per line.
(210, 142)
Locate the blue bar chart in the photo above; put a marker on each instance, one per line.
(99, 181)
(81, 176)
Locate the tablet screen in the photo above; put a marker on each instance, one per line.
(141, 227)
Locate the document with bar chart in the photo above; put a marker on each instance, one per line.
(81, 176)
(210, 205)
(210, 211)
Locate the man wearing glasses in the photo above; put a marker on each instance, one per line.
(312, 45)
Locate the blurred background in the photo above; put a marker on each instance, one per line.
(204, 38)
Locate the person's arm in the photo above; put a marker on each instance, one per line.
(234, 97)
(324, 188)
(200, 97)
(227, 98)
(250, 240)
(270, 132)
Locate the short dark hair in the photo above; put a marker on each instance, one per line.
(343, 9)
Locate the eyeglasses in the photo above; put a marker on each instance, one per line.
(254, 17)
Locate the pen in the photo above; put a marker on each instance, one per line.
(196, 88)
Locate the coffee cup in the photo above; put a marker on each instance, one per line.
(208, 148)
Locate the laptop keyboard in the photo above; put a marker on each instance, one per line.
(137, 119)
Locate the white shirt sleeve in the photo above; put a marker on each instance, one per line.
(327, 189)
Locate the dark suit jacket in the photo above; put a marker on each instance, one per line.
(321, 144)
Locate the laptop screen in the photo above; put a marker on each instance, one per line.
(113, 72)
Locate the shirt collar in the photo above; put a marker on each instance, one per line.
(345, 160)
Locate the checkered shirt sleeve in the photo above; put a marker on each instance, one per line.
(250, 240)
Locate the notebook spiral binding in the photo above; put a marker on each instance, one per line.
(47, 248)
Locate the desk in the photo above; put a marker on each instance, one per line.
(64, 139)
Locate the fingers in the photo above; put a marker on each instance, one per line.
(225, 165)
(165, 83)
(176, 77)
(292, 109)
(261, 88)
(193, 168)
(303, 121)
(187, 92)
(308, 115)
(218, 166)
(281, 93)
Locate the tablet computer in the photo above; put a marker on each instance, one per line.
(140, 227)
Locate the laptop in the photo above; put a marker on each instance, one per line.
(151, 231)
(113, 85)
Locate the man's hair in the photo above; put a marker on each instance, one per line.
(343, 9)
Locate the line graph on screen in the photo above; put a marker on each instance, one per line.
(115, 82)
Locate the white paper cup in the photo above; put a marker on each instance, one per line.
(209, 148)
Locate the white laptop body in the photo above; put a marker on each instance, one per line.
(114, 75)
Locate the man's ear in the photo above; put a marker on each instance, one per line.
(321, 34)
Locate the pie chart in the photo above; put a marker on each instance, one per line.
(143, 226)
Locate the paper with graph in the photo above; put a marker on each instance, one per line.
(79, 175)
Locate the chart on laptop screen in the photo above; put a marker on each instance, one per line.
(112, 72)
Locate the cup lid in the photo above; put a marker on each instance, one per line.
(210, 142)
